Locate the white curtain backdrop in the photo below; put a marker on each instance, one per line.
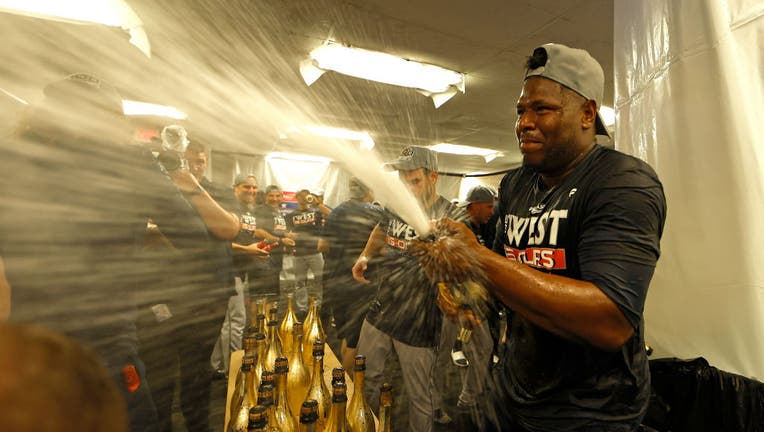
(690, 101)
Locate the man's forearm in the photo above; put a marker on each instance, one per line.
(222, 224)
(375, 243)
(573, 309)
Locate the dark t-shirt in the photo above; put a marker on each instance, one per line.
(244, 263)
(307, 225)
(601, 224)
(347, 230)
(72, 222)
(405, 304)
(274, 222)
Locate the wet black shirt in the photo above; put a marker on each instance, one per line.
(601, 224)
(307, 224)
(406, 298)
(72, 224)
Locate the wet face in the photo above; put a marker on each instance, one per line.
(480, 212)
(273, 199)
(421, 183)
(197, 163)
(554, 126)
(245, 193)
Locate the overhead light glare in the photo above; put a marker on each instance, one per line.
(487, 154)
(297, 157)
(608, 115)
(365, 140)
(434, 81)
(135, 108)
(113, 13)
(14, 97)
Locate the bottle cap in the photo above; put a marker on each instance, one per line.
(338, 375)
(318, 348)
(258, 413)
(360, 363)
(309, 412)
(282, 365)
(386, 395)
(339, 392)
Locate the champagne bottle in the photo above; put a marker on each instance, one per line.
(313, 333)
(265, 399)
(260, 358)
(359, 415)
(318, 390)
(261, 327)
(298, 379)
(258, 419)
(337, 421)
(385, 407)
(240, 411)
(268, 379)
(256, 307)
(274, 346)
(247, 363)
(282, 415)
(287, 325)
(338, 375)
(308, 416)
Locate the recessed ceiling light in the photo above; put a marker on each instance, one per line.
(487, 154)
(134, 108)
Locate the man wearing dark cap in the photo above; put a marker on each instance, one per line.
(404, 316)
(580, 228)
(344, 236)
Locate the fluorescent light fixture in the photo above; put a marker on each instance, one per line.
(487, 154)
(113, 13)
(297, 157)
(434, 81)
(608, 115)
(130, 107)
(365, 140)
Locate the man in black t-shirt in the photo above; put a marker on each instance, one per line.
(404, 316)
(305, 224)
(344, 236)
(580, 228)
(270, 219)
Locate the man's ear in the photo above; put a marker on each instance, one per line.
(434, 176)
(589, 114)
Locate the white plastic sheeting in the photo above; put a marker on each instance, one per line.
(690, 101)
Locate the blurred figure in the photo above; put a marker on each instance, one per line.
(76, 201)
(318, 203)
(196, 157)
(52, 383)
(180, 319)
(305, 223)
(404, 316)
(270, 219)
(250, 263)
(343, 239)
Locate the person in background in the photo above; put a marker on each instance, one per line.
(76, 201)
(318, 203)
(580, 228)
(479, 205)
(53, 383)
(196, 158)
(249, 264)
(404, 316)
(271, 220)
(344, 236)
(181, 314)
(305, 224)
